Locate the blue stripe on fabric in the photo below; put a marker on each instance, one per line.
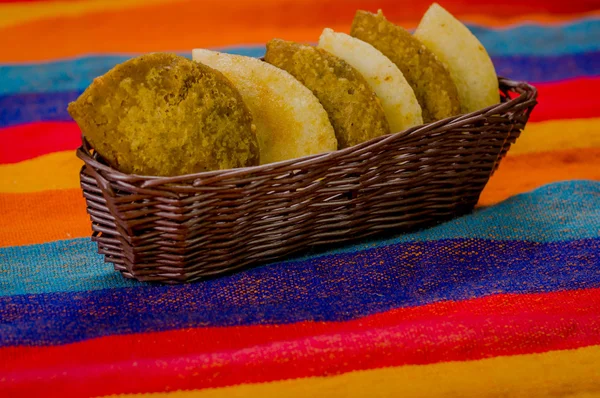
(556, 212)
(331, 288)
(29, 108)
(77, 73)
(52, 106)
(531, 39)
(523, 40)
(548, 69)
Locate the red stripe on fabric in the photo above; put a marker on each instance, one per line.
(28, 141)
(569, 99)
(210, 357)
(31, 140)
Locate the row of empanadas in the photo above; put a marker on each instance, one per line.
(161, 114)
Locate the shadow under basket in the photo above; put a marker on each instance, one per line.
(185, 228)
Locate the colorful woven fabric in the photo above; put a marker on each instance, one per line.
(502, 302)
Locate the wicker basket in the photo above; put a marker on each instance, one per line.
(185, 228)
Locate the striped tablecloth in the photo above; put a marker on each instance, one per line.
(502, 302)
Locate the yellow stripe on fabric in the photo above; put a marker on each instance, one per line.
(57, 170)
(558, 134)
(572, 373)
(18, 13)
(60, 170)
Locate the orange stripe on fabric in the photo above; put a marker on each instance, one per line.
(516, 174)
(42, 217)
(523, 173)
(59, 170)
(569, 373)
(190, 24)
(558, 134)
(18, 13)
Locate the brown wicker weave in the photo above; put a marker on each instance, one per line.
(181, 229)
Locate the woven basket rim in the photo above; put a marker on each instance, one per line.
(527, 93)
